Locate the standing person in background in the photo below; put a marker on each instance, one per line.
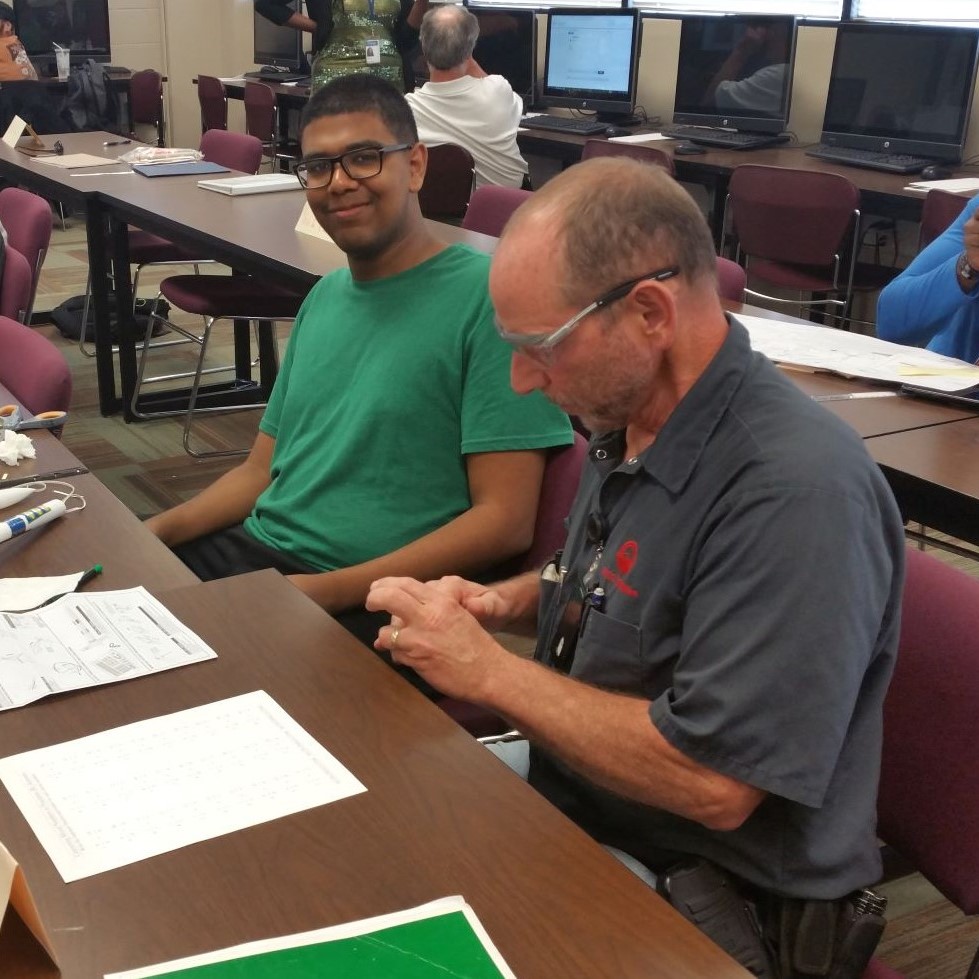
(462, 104)
(355, 36)
(933, 302)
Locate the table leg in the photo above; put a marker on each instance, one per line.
(125, 322)
(98, 262)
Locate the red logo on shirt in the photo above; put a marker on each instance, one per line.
(625, 558)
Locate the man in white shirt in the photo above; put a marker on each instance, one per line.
(462, 104)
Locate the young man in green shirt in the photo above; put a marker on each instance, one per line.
(392, 443)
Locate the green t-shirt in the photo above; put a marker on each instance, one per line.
(385, 387)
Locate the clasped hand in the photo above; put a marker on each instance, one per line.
(437, 628)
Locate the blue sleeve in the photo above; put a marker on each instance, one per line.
(919, 303)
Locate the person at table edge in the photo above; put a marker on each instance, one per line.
(736, 557)
(934, 302)
(392, 442)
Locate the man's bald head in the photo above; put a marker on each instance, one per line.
(610, 218)
(448, 36)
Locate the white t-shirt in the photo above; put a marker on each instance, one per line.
(479, 114)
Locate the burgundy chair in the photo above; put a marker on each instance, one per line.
(926, 806)
(16, 285)
(214, 103)
(490, 208)
(800, 230)
(33, 369)
(146, 103)
(731, 280)
(939, 210)
(262, 121)
(448, 182)
(560, 483)
(27, 220)
(635, 151)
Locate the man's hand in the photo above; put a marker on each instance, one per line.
(485, 603)
(970, 240)
(436, 636)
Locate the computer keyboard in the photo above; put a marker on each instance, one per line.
(728, 139)
(562, 124)
(276, 76)
(891, 162)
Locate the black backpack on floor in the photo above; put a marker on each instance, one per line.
(68, 318)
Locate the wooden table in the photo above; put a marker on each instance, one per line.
(441, 816)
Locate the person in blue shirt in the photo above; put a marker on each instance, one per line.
(934, 302)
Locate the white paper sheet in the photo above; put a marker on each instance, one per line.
(954, 185)
(639, 138)
(855, 355)
(21, 594)
(86, 640)
(72, 161)
(147, 788)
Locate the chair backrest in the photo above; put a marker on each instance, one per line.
(27, 220)
(146, 101)
(635, 151)
(795, 217)
(239, 151)
(448, 182)
(260, 112)
(561, 477)
(16, 286)
(33, 369)
(214, 103)
(939, 210)
(927, 808)
(490, 208)
(731, 280)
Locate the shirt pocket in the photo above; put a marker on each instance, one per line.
(608, 653)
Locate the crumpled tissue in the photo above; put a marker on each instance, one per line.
(14, 447)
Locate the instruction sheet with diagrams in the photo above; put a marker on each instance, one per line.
(83, 640)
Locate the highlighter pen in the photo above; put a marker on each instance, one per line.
(92, 572)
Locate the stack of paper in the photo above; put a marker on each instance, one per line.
(259, 183)
(957, 185)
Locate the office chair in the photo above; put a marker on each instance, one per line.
(16, 285)
(262, 121)
(938, 211)
(33, 369)
(490, 208)
(635, 151)
(27, 220)
(146, 103)
(731, 280)
(448, 182)
(558, 487)
(214, 103)
(926, 805)
(800, 230)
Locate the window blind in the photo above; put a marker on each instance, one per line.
(822, 9)
(964, 12)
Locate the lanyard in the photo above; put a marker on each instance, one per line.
(370, 8)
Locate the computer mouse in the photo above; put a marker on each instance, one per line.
(688, 149)
(617, 131)
(935, 172)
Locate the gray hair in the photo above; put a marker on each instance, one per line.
(448, 35)
(613, 218)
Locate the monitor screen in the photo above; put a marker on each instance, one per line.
(80, 25)
(507, 46)
(279, 46)
(591, 60)
(735, 72)
(901, 88)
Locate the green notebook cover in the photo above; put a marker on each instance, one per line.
(444, 946)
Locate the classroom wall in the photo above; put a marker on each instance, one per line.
(215, 37)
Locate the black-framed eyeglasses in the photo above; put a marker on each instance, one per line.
(360, 164)
(548, 341)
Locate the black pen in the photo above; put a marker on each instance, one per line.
(92, 572)
(41, 477)
(117, 142)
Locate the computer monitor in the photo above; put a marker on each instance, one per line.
(279, 47)
(735, 72)
(82, 26)
(901, 88)
(591, 61)
(507, 46)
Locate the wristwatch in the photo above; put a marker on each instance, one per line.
(964, 270)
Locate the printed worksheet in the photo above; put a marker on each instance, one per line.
(83, 640)
(143, 789)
